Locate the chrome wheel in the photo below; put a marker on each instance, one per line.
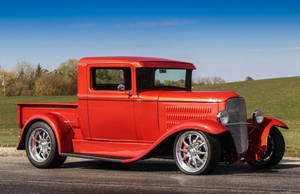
(39, 145)
(192, 151)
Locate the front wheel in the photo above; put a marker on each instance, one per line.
(196, 152)
(41, 147)
(275, 150)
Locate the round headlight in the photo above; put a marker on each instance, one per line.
(223, 117)
(258, 116)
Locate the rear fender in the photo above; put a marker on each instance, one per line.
(258, 135)
(61, 128)
(208, 126)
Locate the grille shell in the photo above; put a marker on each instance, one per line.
(236, 107)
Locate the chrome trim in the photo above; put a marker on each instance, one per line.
(258, 113)
(237, 126)
(121, 87)
(221, 115)
(238, 123)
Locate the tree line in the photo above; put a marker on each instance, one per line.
(33, 80)
(27, 79)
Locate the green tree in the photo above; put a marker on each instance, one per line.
(109, 76)
(24, 82)
(38, 71)
(67, 71)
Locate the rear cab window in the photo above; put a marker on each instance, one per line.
(111, 78)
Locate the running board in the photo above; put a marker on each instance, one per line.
(102, 158)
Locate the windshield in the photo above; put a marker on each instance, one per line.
(157, 78)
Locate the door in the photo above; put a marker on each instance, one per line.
(110, 107)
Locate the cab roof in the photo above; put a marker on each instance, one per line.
(137, 62)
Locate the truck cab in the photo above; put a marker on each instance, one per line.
(132, 108)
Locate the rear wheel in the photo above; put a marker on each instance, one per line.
(275, 150)
(41, 146)
(196, 152)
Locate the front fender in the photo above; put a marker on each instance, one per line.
(208, 126)
(61, 129)
(258, 135)
(266, 126)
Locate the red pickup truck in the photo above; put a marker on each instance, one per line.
(133, 108)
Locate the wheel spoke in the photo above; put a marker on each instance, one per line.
(194, 162)
(34, 139)
(43, 154)
(199, 159)
(190, 139)
(195, 140)
(40, 151)
(186, 156)
(200, 145)
(189, 161)
(185, 143)
(200, 152)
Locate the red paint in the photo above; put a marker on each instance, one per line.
(130, 124)
(258, 136)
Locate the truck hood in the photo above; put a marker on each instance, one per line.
(187, 96)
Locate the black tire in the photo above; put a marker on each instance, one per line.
(213, 153)
(275, 150)
(53, 159)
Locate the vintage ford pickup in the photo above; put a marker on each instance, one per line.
(133, 108)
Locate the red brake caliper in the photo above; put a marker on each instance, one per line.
(184, 153)
(33, 144)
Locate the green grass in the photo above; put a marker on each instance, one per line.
(278, 98)
(9, 130)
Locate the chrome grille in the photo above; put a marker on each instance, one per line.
(236, 108)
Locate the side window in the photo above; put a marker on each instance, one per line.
(111, 79)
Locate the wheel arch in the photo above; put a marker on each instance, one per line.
(62, 131)
(267, 125)
(206, 126)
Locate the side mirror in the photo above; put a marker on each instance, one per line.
(121, 87)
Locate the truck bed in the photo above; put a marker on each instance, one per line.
(67, 110)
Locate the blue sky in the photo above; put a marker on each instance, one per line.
(230, 39)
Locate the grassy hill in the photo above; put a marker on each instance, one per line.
(279, 98)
